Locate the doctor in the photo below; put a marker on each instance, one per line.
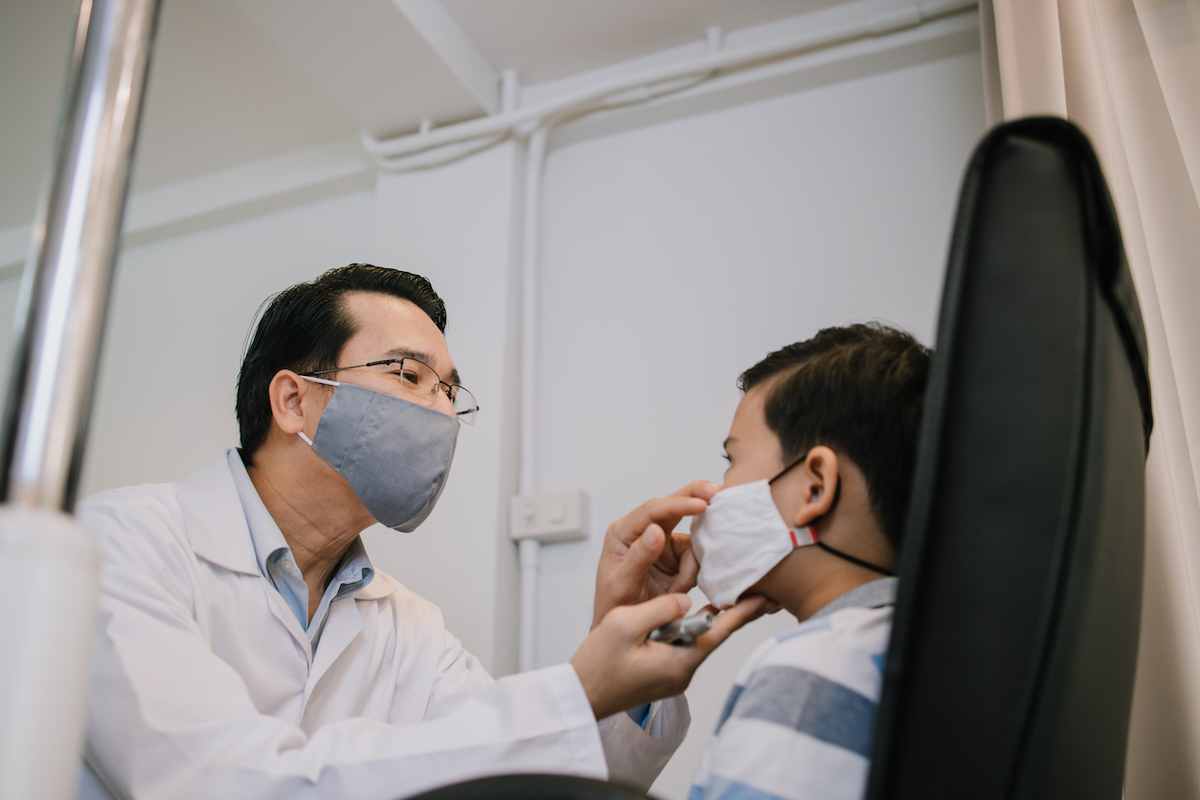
(247, 647)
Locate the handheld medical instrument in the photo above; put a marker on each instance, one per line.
(683, 630)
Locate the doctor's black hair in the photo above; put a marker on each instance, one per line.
(304, 329)
(859, 390)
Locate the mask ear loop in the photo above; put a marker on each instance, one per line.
(789, 468)
(325, 381)
(856, 561)
(812, 528)
(311, 379)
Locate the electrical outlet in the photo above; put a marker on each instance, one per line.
(549, 517)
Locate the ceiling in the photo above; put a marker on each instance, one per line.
(548, 39)
(238, 81)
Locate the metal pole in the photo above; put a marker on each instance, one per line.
(65, 290)
(49, 565)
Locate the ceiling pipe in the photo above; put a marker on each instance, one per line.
(655, 81)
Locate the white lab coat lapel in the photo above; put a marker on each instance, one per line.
(281, 612)
(216, 525)
(344, 623)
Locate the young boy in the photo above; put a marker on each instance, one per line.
(820, 453)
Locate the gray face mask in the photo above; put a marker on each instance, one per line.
(394, 454)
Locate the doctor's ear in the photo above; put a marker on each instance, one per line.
(292, 401)
(819, 476)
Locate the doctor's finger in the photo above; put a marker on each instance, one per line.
(697, 490)
(647, 550)
(637, 621)
(671, 555)
(702, 489)
(746, 610)
(687, 567)
(661, 510)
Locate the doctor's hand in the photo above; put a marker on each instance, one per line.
(619, 669)
(640, 560)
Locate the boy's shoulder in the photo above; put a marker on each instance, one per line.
(798, 720)
(844, 642)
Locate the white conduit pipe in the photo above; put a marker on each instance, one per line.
(530, 549)
(535, 158)
(529, 552)
(475, 134)
(436, 157)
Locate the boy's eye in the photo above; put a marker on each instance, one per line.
(726, 457)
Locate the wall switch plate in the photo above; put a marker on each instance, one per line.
(549, 517)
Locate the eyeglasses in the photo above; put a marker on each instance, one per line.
(416, 378)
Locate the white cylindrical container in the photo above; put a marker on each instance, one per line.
(49, 583)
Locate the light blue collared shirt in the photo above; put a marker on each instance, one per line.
(277, 564)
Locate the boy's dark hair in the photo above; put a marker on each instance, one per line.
(305, 328)
(859, 390)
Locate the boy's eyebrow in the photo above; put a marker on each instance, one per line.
(725, 444)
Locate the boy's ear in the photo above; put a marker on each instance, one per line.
(819, 478)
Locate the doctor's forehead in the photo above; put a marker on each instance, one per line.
(390, 327)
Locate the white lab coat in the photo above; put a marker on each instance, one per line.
(204, 685)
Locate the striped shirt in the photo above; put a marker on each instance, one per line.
(797, 724)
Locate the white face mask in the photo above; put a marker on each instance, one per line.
(741, 536)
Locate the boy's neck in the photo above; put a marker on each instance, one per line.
(810, 579)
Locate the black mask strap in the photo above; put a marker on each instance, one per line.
(789, 467)
(837, 492)
(856, 561)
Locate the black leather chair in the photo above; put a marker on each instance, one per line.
(1010, 672)
(533, 787)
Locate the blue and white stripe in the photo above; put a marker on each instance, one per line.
(797, 724)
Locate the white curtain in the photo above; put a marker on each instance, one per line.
(1128, 73)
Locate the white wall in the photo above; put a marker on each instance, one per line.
(454, 225)
(181, 312)
(678, 255)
